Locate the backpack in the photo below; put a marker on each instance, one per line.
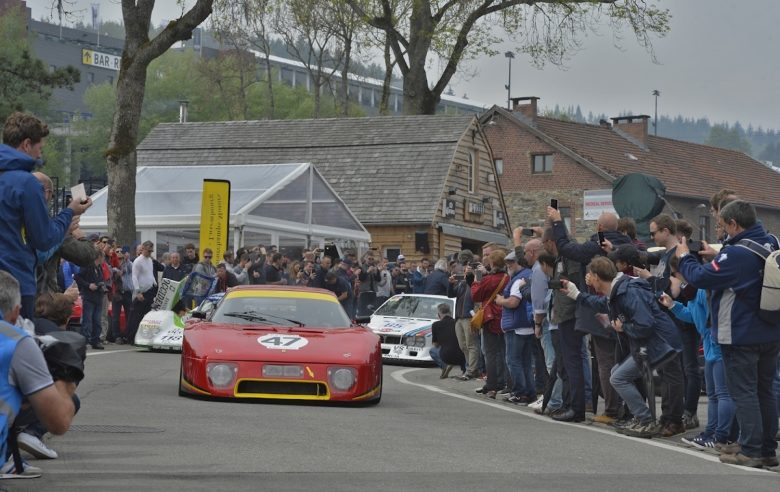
(769, 304)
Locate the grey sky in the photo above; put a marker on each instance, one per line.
(719, 60)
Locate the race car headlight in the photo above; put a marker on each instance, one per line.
(420, 341)
(342, 378)
(221, 374)
(409, 341)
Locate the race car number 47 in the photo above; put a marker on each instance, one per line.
(285, 342)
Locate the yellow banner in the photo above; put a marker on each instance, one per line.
(215, 218)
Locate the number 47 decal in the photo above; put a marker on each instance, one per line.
(282, 342)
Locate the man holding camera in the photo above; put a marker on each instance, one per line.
(93, 291)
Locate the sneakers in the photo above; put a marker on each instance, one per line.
(537, 404)
(705, 443)
(741, 460)
(482, 377)
(602, 419)
(689, 440)
(524, 401)
(119, 341)
(727, 448)
(770, 461)
(645, 430)
(505, 391)
(621, 426)
(491, 395)
(463, 377)
(35, 446)
(480, 391)
(98, 347)
(670, 429)
(9, 470)
(690, 421)
(445, 371)
(515, 399)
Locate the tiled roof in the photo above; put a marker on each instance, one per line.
(386, 169)
(685, 168)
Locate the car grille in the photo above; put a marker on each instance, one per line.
(391, 339)
(282, 388)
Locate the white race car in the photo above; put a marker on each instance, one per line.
(404, 325)
(164, 330)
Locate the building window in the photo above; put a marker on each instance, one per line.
(52, 68)
(472, 170)
(542, 163)
(704, 227)
(392, 252)
(500, 166)
(90, 77)
(110, 79)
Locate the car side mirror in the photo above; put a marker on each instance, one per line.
(198, 314)
(362, 320)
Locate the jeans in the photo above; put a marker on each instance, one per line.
(90, 321)
(519, 362)
(690, 358)
(538, 362)
(672, 390)
(468, 345)
(571, 348)
(436, 356)
(605, 356)
(750, 374)
(560, 369)
(480, 356)
(777, 385)
(139, 310)
(364, 300)
(122, 300)
(493, 345)
(586, 371)
(549, 354)
(720, 407)
(104, 321)
(622, 379)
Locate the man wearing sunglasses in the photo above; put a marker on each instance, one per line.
(205, 267)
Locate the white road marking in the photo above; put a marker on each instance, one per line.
(399, 376)
(110, 352)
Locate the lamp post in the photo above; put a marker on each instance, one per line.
(655, 125)
(510, 55)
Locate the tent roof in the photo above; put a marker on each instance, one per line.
(261, 196)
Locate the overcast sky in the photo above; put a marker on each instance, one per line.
(719, 60)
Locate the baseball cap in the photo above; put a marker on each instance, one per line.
(624, 253)
(400, 258)
(346, 261)
(511, 257)
(94, 237)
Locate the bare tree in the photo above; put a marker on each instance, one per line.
(138, 52)
(310, 37)
(230, 75)
(244, 24)
(455, 31)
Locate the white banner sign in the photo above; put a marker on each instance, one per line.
(596, 203)
(103, 60)
(95, 16)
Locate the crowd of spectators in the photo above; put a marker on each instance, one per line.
(556, 315)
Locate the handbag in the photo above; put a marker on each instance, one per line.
(479, 317)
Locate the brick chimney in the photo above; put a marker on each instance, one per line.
(633, 126)
(528, 110)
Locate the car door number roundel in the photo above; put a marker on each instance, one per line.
(284, 342)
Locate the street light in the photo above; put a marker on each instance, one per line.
(655, 125)
(510, 55)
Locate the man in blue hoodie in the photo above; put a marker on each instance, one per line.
(26, 225)
(749, 344)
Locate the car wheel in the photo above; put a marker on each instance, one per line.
(376, 400)
(181, 391)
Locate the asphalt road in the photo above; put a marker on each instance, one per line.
(426, 434)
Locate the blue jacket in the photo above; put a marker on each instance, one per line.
(419, 283)
(25, 226)
(633, 302)
(463, 303)
(514, 318)
(437, 283)
(734, 270)
(697, 311)
(583, 254)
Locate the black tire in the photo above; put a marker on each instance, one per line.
(181, 391)
(376, 400)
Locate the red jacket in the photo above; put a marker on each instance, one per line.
(482, 291)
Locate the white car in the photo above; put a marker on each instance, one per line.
(164, 330)
(404, 322)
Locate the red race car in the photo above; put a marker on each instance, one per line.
(286, 343)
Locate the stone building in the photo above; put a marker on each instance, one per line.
(423, 186)
(541, 158)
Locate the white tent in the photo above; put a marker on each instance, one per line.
(289, 205)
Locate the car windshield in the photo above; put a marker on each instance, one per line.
(281, 311)
(412, 307)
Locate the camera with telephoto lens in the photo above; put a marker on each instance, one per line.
(102, 287)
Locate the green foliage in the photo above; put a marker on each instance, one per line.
(728, 139)
(25, 81)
